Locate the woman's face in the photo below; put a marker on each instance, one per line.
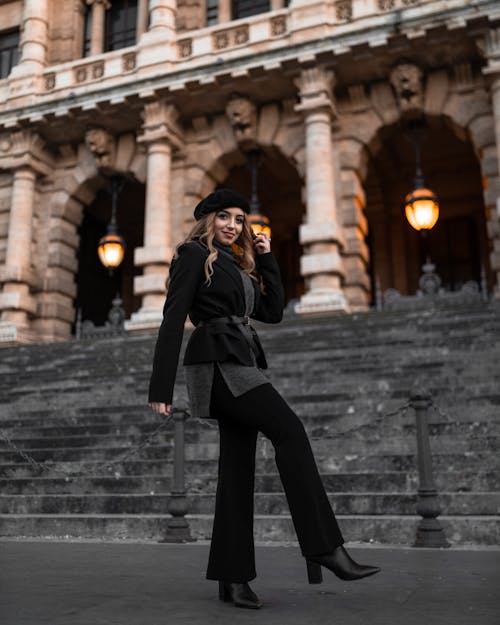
(228, 225)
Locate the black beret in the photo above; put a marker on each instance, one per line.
(222, 198)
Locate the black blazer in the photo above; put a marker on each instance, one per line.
(188, 293)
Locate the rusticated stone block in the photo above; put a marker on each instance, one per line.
(331, 262)
(482, 131)
(463, 108)
(56, 310)
(356, 273)
(154, 283)
(16, 273)
(64, 233)
(64, 284)
(312, 233)
(17, 301)
(152, 255)
(58, 258)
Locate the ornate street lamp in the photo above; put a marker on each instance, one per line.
(421, 208)
(421, 204)
(111, 250)
(258, 221)
(111, 247)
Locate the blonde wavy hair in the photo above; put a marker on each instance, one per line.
(204, 231)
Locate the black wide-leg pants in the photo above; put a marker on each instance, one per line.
(232, 555)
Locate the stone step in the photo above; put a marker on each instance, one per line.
(207, 447)
(340, 429)
(394, 481)
(482, 503)
(478, 424)
(442, 463)
(391, 529)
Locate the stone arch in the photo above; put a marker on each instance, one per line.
(468, 115)
(213, 156)
(76, 181)
(209, 159)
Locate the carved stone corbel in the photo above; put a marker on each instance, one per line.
(102, 144)
(242, 114)
(407, 81)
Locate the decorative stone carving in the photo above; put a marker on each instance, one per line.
(102, 144)
(185, 48)
(242, 114)
(316, 90)
(129, 61)
(241, 35)
(406, 79)
(278, 25)
(229, 38)
(81, 74)
(386, 5)
(221, 40)
(50, 81)
(343, 10)
(98, 70)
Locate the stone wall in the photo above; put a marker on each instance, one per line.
(317, 83)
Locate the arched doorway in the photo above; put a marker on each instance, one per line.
(95, 287)
(458, 244)
(279, 191)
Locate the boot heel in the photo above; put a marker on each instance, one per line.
(224, 594)
(314, 574)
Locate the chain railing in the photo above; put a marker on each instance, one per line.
(76, 472)
(429, 531)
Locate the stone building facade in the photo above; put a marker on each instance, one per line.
(171, 96)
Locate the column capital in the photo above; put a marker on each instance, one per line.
(161, 124)
(315, 86)
(25, 150)
(489, 44)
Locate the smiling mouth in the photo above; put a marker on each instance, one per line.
(228, 234)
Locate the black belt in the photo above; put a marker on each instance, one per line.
(250, 338)
(230, 319)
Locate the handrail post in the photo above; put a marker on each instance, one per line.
(430, 532)
(177, 530)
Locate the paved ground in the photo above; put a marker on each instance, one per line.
(85, 583)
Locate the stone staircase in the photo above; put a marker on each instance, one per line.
(78, 405)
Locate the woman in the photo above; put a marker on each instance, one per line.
(221, 276)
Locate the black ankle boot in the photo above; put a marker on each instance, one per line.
(340, 563)
(240, 594)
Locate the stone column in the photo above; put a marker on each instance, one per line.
(277, 4)
(16, 303)
(162, 14)
(142, 18)
(25, 159)
(161, 136)
(321, 235)
(98, 23)
(34, 36)
(491, 46)
(495, 97)
(224, 13)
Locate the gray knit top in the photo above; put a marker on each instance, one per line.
(239, 378)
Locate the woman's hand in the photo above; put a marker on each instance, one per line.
(160, 408)
(262, 243)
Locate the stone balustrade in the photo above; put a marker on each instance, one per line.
(262, 33)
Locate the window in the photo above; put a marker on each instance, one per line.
(212, 12)
(245, 8)
(87, 32)
(121, 24)
(9, 51)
